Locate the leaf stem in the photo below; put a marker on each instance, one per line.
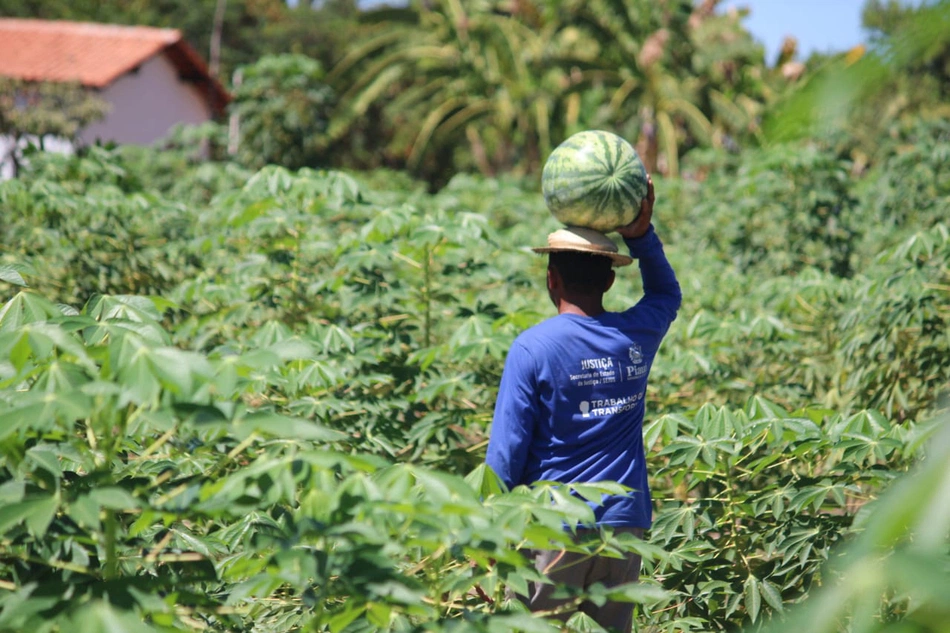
(427, 294)
(112, 561)
(91, 437)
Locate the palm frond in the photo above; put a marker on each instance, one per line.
(419, 93)
(362, 52)
(622, 93)
(698, 123)
(666, 135)
(464, 116)
(730, 116)
(344, 120)
(395, 58)
(543, 115)
(429, 125)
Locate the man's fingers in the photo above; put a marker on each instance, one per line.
(647, 202)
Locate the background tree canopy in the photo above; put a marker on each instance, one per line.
(251, 391)
(439, 87)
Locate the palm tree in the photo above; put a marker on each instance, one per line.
(675, 75)
(449, 76)
(504, 79)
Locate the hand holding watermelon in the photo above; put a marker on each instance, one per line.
(641, 225)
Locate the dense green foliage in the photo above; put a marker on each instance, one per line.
(493, 85)
(31, 113)
(259, 401)
(442, 87)
(243, 391)
(283, 113)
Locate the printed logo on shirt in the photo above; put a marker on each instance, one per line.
(597, 363)
(595, 371)
(609, 406)
(637, 369)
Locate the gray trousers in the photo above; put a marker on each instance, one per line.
(582, 571)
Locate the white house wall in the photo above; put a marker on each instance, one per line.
(6, 165)
(146, 103)
(50, 144)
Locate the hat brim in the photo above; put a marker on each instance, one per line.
(582, 240)
(616, 259)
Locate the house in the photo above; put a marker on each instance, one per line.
(151, 78)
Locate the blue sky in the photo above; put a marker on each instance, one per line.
(818, 25)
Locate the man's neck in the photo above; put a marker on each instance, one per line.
(582, 306)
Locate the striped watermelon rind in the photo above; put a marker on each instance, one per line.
(594, 179)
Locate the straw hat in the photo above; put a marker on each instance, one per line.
(578, 239)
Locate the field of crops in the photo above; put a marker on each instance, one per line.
(237, 401)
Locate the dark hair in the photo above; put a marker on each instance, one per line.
(583, 273)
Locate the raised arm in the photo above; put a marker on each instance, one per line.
(660, 287)
(639, 227)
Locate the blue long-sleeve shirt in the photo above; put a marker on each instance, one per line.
(571, 400)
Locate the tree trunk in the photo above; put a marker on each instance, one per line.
(648, 146)
(214, 55)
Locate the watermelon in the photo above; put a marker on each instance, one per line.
(595, 180)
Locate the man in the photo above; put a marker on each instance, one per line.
(571, 401)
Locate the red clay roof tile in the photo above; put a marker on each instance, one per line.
(93, 54)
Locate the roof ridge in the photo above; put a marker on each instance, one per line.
(96, 54)
(170, 35)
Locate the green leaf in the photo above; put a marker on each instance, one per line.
(485, 482)
(36, 512)
(753, 598)
(252, 212)
(46, 457)
(124, 308)
(11, 491)
(350, 612)
(523, 622)
(26, 307)
(194, 543)
(85, 511)
(113, 498)
(104, 618)
(49, 335)
(11, 275)
(42, 411)
(582, 623)
(285, 427)
(771, 595)
(20, 606)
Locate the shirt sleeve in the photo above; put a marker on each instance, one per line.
(516, 414)
(661, 290)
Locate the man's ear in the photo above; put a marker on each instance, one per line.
(555, 284)
(610, 280)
